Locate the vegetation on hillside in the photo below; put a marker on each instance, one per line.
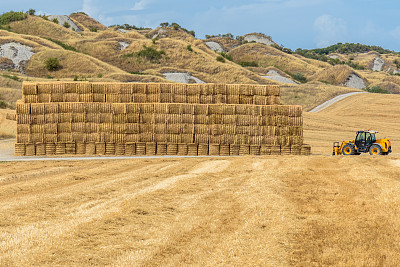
(8, 17)
(176, 26)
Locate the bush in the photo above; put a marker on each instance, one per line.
(150, 54)
(31, 12)
(248, 63)
(52, 64)
(227, 56)
(3, 104)
(55, 21)
(66, 25)
(100, 75)
(189, 47)
(93, 29)
(8, 17)
(299, 77)
(376, 90)
(65, 46)
(221, 59)
(14, 77)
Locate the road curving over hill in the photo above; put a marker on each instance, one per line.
(333, 101)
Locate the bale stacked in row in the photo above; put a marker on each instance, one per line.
(66, 118)
(151, 93)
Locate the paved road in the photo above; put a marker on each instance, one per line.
(333, 101)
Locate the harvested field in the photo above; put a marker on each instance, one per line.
(285, 211)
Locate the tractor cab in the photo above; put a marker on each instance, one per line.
(364, 140)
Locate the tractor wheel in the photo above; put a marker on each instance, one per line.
(375, 150)
(348, 149)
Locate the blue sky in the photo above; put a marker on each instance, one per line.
(292, 23)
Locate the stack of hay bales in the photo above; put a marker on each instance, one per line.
(156, 119)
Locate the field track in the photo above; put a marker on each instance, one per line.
(282, 211)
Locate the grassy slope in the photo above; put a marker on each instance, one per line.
(87, 22)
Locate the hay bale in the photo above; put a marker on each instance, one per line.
(192, 149)
(130, 148)
(202, 138)
(120, 149)
(60, 148)
(140, 148)
(172, 149)
(224, 150)
(265, 149)
(206, 99)
(100, 148)
(30, 149)
(246, 99)
(219, 99)
(182, 149)
(244, 149)
(19, 149)
(255, 150)
(151, 148)
(44, 98)
(80, 148)
(132, 138)
(161, 149)
(213, 149)
(50, 148)
(246, 89)
(57, 97)
(36, 137)
(29, 88)
(71, 97)
(305, 150)
(23, 128)
(23, 138)
(99, 98)
(233, 99)
(50, 138)
(30, 99)
(275, 150)
(153, 88)
(90, 148)
(110, 148)
(70, 148)
(203, 149)
(37, 109)
(23, 108)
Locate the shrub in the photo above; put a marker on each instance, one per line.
(176, 26)
(65, 46)
(55, 20)
(164, 24)
(76, 78)
(100, 75)
(189, 47)
(66, 25)
(11, 16)
(150, 53)
(376, 90)
(3, 104)
(52, 64)
(221, 59)
(31, 12)
(299, 77)
(227, 56)
(93, 29)
(248, 63)
(14, 77)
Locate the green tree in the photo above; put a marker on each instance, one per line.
(52, 64)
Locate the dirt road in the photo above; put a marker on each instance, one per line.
(333, 101)
(263, 211)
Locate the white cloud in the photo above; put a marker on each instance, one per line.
(396, 33)
(89, 7)
(142, 4)
(329, 30)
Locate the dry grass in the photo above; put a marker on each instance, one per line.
(8, 128)
(251, 211)
(336, 75)
(10, 95)
(311, 94)
(87, 21)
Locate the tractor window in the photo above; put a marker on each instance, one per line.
(360, 137)
(368, 137)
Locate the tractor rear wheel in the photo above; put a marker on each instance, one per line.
(348, 149)
(375, 150)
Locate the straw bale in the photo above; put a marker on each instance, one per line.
(151, 148)
(234, 149)
(64, 117)
(182, 149)
(23, 108)
(30, 98)
(19, 149)
(50, 148)
(256, 140)
(228, 139)
(126, 98)
(132, 137)
(51, 118)
(216, 129)
(187, 138)
(160, 137)
(120, 149)
(37, 128)
(295, 150)
(153, 88)
(242, 110)
(173, 129)
(244, 149)
(90, 149)
(261, 90)
(202, 129)
(193, 89)
(100, 148)
(23, 128)
(113, 98)
(80, 148)
(130, 148)
(70, 87)
(187, 118)
(141, 148)
(78, 127)
(160, 108)
(51, 108)
(186, 128)
(58, 88)
(268, 110)
(165, 88)
(64, 107)
(215, 139)
(255, 150)
(194, 99)
(192, 149)
(147, 118)
(206, 99)
(146, 137)
(119, 138)
(213, 149)
(174, 138)
(139, 98)
(84, 88)
(215, 109)
(179, 89)
(119, 118)
(233, 89)
(125, 88)
(166, 98)
(219, 99)
(57, 97)
(160, 128)
(224, 150)
(246, 90)
(265, 149)
(50, 138)
(99, 98)
(70, 97)
(112, 88)
(215, 118)
(30, 150)
(153, 98)
(172, 149)
(228, 129)
(232, 99)
(77, 107)
(118, 108)
(87, 98)
(260, 100)
(246, 99)
(201, 119)
(92, 137)
(274, 90)
(229, 119)
(275, 150)
(40, 149)
(173, 118)
(44, 98)
(23, 138)
(273, 100)
(243, 120)
(37, 119)
(64, 137)
(29, 88)
(50, 128)
(37, 109)
(285, 150)
(64, 127)
(119, 128)
(207, 89)
(179, 98)
(174, 109)
(200, 109)
(132, 128)
(106, 118)
(23, 119)
(147, 108)
(44, 88)
(138, 88)
(202, 149)
(110, 148)
(132, 118)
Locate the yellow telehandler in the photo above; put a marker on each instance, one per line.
(365, 142)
